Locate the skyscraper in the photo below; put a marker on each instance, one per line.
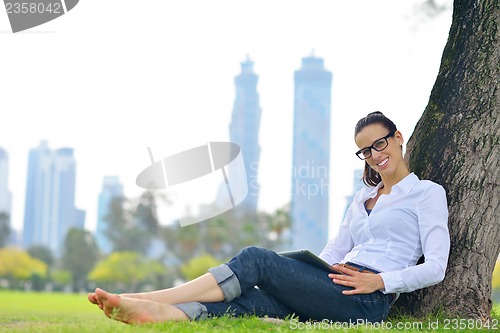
(50, 198)
(244, 130)
(111, 188)
(311, 155)
(5, 195)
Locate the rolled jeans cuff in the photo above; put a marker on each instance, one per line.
(227, 281)
(194, 310)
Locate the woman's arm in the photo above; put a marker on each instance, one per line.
(432, 212)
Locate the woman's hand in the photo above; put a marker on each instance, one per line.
(363, 283)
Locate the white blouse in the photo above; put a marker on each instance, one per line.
(410, 221)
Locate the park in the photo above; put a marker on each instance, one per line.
(455, 143)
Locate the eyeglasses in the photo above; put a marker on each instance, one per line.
(379, 145)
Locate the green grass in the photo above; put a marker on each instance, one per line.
(42, 312)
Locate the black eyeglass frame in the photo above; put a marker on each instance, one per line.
(359, 153)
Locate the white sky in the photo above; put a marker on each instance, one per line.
(113, 77)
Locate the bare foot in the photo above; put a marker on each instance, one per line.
(93, 299)
(134, 296)
(136, 311)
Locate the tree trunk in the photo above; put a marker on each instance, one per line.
(456, 144)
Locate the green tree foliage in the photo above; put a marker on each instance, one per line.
(42, 253)
(146, 212)
(217, 235)
(496, 276)
(17, 265)
(4, 229)
(80, 255)
(198, 266)
(125, 270)
(131, 228)
(61, 277)
(225, 235)
(278, 223)
(187, 241)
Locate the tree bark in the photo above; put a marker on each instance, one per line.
(456, 144)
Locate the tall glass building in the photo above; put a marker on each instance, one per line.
(5, 195)
(311, 155)
(111, 188)
(50, 198)
(244, 130)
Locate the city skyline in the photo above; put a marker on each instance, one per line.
(168, 84)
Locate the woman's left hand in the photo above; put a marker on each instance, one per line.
(363, 283)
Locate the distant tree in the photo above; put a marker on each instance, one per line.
(187, 241)
(80, 256)
(216, 234)
(239, 230)
(124, 230)
(198, 266)
(225, 235)
(60, 278)
(146, 212)
(432, 9)
(457, 144)
(42, 253)
(17, 266)
(125, 271)
(4, 229)
(279, 222)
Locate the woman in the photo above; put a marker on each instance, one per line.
(387, 228)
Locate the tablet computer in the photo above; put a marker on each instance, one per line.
(309, 258)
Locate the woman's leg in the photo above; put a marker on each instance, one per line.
(136, 311)
(288, 286)
(305, 289)
(201, 289)
(253, 302)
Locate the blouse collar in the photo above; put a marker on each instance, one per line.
(405, 185)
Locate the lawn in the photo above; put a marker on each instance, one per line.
(64, 313)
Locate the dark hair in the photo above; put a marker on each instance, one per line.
(370, 176)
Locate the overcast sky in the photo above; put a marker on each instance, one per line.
(113, 77)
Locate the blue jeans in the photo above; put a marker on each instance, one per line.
(261, 282)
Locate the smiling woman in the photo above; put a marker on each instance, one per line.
(374, 143)
(387, 228)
